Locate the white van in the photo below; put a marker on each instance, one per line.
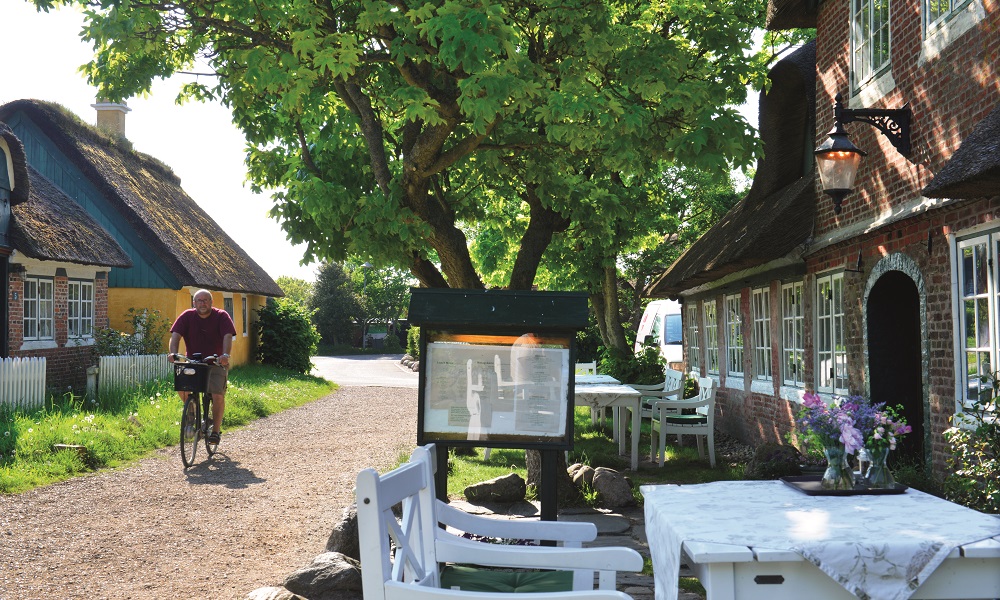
(661, 327)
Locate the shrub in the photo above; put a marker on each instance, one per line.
(287, 335)
(149, 328)
(646, 367)
(391, 344)
(413, 342)
(974, 463)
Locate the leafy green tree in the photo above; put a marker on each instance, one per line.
(298, 290)
(394, 129)
(335, 304)
(383, 294)
(287, 336)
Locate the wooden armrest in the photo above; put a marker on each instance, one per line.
(409, 591)
(660, 393)
(557, 531)
(450, 548)
(679, 404)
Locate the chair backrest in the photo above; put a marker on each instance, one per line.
(706, 393)
(586, 368)
(674, 380)
(415, 562)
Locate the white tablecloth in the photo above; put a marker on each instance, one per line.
(879, 547)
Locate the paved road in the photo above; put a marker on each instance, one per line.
(365, 370)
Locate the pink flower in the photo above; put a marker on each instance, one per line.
(811, 400)
(851, 438)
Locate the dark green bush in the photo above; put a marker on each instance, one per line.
(149, 328)
(287, 335)
(646, 367)
(974, 464)
(413, 342)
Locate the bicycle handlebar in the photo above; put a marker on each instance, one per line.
(208, 360)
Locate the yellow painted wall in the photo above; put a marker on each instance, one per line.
(171, 303)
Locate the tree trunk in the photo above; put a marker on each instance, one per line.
(606, 309)
(566, 491)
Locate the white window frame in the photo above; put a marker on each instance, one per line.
(867, 32)
(711, 337)
(41, 315)
(246, 318)
(80, 310)
(694, 342)
(792, 335)
(978, 298)
(734, 336)
(229, 306)
(760, 313)
(831, 350)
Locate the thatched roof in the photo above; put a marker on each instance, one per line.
(20, 175)
(148, 195)
(777, 214)
(791, 14)
(974, 170)
(51, 226)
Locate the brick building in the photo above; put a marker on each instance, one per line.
(897, 296)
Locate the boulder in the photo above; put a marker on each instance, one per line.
(330, 576)
(505, 489)
(613, 490)
(272, 593)
(344, 538)
(584, 476)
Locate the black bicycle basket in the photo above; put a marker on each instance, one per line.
(190, 377)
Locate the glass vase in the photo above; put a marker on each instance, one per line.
(838, 474)
(878, 475)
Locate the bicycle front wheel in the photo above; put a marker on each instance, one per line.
(211, 448)
(190, 431)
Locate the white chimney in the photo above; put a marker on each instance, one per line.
(111, 116)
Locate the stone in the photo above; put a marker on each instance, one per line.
(584, 476)
(344, 538)
(272, 593)
(505, 489)
(613, 490)
(773, 461)
(330, 576)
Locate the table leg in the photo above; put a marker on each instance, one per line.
(636, 425)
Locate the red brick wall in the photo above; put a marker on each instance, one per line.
(66, 365)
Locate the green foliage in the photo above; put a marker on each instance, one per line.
(148, 330)
(335, 304)
(287, 335)
(297, 290)
(974, 463)
(645, 367)
(391, 345)
(145, 420)
(428, 133)
(413, 342)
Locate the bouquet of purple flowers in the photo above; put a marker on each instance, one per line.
(854, 422)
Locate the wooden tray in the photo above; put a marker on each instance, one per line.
(810, 485)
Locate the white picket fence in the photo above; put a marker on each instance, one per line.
(117, 373)
(22, 382)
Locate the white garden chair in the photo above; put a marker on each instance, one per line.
(673, 418)
(672, 388)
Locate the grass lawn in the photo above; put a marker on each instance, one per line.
(124, 428)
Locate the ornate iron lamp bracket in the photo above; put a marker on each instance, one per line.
(893, 123)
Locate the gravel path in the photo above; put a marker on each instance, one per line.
(261, 508)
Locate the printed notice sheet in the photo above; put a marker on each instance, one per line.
(483, 391)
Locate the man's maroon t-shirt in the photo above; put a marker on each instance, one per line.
(203, 336)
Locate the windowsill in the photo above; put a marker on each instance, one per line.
(762, 386)
(873, 90)
(80, 341)
(792, 394)
(38, 345)
(939, 37)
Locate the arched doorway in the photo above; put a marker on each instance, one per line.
(894, 356)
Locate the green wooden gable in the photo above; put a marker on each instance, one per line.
(149, 271)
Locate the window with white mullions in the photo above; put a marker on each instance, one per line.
(792, 327)
(711, 338)
(977, 288)
(694, 343)
(760, 304)
(870, 44)
(831, 351)
(38, 308)
(938, 12)
(80, 307)
(734, 336)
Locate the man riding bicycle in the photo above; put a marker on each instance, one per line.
(206, 331)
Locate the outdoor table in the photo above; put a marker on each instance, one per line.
(600, 396)
(601, 379)
(766, 540)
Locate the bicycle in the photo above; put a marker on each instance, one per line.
(191, 375)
